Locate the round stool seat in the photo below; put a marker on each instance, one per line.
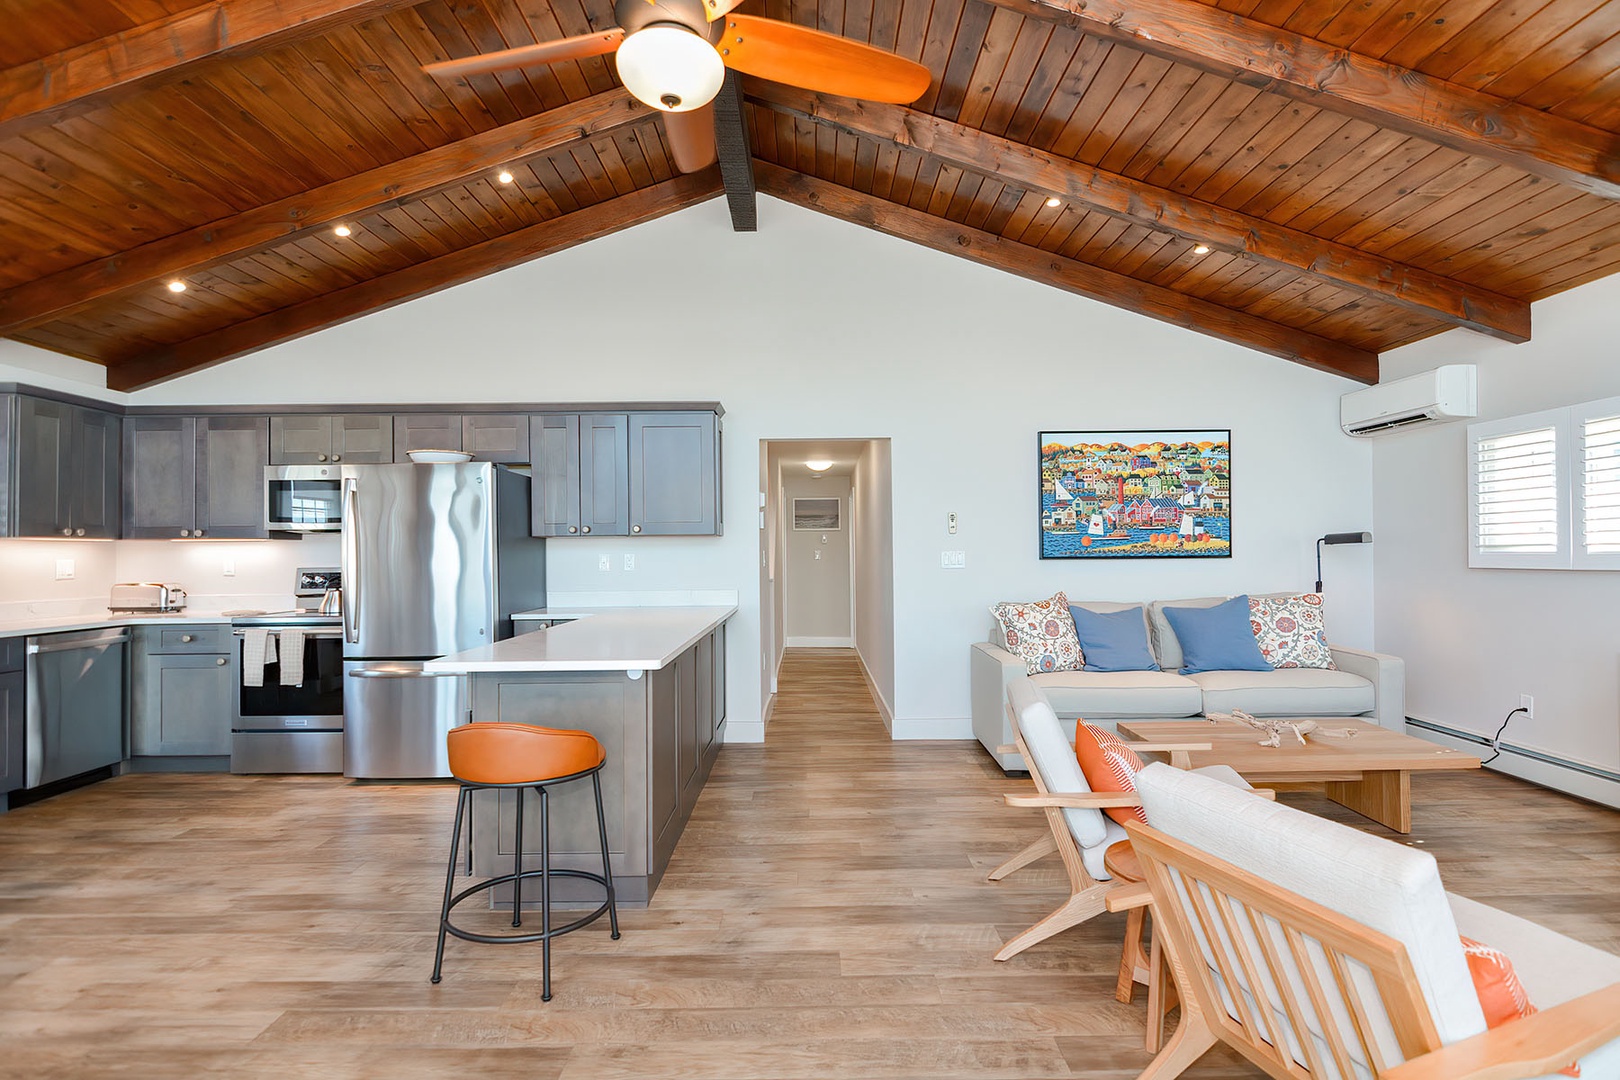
(494, 754)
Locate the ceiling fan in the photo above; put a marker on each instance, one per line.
(673, 56)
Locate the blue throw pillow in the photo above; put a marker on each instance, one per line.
(1218, 638)
(1114, 640)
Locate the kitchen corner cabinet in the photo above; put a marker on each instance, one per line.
(180, 691)
(580, 463)
(351, 438)
(499, 437)
(61, 465)
(675, 474)
(187, 477)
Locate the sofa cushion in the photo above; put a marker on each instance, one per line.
(1165, 646)
(1114, 640)
(1290, 630)
(1121, 695)
(1286, 692)
(1040, 632)
(1218, 638)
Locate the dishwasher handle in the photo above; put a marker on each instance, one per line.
(35, 647)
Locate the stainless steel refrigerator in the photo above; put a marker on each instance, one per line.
(436, 558)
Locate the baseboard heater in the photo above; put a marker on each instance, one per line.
(1588, 782)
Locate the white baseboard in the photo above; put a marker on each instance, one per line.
(884, 709)
(933, 727)
(743, 731)
(1570, 777)
(819, 642)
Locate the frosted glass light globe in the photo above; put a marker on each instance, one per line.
(670, 68)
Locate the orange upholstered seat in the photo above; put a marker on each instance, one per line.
(491, 753)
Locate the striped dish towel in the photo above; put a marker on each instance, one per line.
(258, 649)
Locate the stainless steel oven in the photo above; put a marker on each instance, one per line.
(303, 498)
(280, 728)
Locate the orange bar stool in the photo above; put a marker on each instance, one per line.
(485, 756)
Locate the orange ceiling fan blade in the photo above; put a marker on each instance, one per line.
(691, 138)
(714, 9)
(547, 52)
(796, 55)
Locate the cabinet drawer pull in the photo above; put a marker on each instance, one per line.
(573, 528)
(185, 532)
(219, 661)
(585, 529)
(320, 457)
(635, 528)
(196, 532)
(78, 532)
(186, 637)
(337, 457)
(67, 532)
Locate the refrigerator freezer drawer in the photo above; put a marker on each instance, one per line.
(286, 751)
(395, 718)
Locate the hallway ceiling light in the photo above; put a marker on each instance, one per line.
(818, 464)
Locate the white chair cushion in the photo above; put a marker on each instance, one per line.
(1054, 759)
(1286, 692)
(1120, 695)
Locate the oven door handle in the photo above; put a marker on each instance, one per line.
(402, 673)
(307, 633)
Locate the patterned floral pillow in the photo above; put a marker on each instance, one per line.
(1290, 631)
(1041, 633)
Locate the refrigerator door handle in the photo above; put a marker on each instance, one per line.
(351, 557)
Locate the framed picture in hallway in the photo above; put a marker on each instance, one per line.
(1136, 494)
(817, 515)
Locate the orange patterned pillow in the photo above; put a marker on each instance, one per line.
(1109, 765)
(1501, 995)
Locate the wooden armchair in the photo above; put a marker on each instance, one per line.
(1317, 951)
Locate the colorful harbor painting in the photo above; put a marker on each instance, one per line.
(1136, 494)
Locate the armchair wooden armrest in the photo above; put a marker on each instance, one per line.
(1090, 800)
(1126, 897)
(1533, 1046)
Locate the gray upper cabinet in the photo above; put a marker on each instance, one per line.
(426, 431)
(61, 464)
(188, 477)
(675, 474)
(312, 439)
(581, 482)
(499, 437)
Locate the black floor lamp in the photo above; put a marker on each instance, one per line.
(1337, 538)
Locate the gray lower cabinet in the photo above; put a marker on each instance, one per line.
(188, 476)
(13, 735)
(581, 474)
(675, 474)
(180, 690)
(61, 465)
(314, 439)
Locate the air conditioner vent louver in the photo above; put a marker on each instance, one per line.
(1446, 393)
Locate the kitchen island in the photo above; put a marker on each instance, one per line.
(650, 684)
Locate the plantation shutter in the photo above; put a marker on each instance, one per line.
(1517, 492)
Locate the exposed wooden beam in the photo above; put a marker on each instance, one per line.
(421, 279)
(1305, 69)
(1155, 301)
(149, 265)
(1409, 287)
(736, 160)
(45, 90)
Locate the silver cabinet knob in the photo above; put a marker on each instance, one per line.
(185, 532)
(320, 457)
(186, 637)
(573, 528)
(635, 528)
(337, 457)
(586, 529)
(219, 661)
(196, 532)
(78, 532)
(67, 532)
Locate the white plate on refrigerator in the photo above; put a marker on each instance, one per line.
(438, 457)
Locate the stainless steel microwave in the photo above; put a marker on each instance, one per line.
(303, 498)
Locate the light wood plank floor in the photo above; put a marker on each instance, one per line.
(826, 915)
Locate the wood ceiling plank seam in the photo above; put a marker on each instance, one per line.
(627, 144)
(1592, 44)
(1104, 238)
(845, 146)
(1001, 214)
(422, 246)
(1146, 249)
(1192, 275)
(883, 170)
(373, 247)
(516, 29)
(912, 33)
(1343, 25)
(292, 278)
(1491, 179)
(969, 42)
(1063, 231)
(346, 109)
(1474, 42)
(1236, 186)
(613, 165)
(1275, 245)
(804, 145)
(468, 206)
(1029, 207)
(1464, 250)
(1127, 253)
(1513, 251)
(1434, 178)
(417, 39)
(1071, 89)
(922, 190)
(541, 183)
(1380, 92)
(590, 167)
(1177, 139)
(376, 41)
(1499, 188)
(990, 195)
(1579, 271)
(1376, 194)
(659, 159)
(1387, 30)
(450, 38)
(1118, 123)
(885, 29)
(787, 142)
(804, 13)
(482, 29)
(826, 140)
(1431, 38)
(1513, 209)
(119, 65)
(139, 184)
(381, 101)
(905, 177)
(858, 16)
(344, 259)
(1526, 39)
(43, 214)
(1251, 285)
(519, 213)
(1278, 301)
(1164, 261)
(1384, 156)
(1276, 12)
(418, 219)
(1021, 78)
(58, 343)
(1328, 162)
(1586, 232)
(1118, 290)
(830, 16)
(1265, 121)
(866, 151)
(397, 89)
(962, 197)
(990, 63)
(174, 182)
(574, 178)
(1111, 74)
(575, 20)
(286, 145)
(1062, 42)
(1596, 105)
(1180, 98)
(294, 100)
(489, 257)
(63, 171)
(238, 94)
(1416, 206)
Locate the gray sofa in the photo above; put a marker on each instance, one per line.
(1368, 685)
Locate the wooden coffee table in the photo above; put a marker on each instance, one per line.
(1371, 773)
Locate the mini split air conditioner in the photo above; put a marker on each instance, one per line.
(1449, 392)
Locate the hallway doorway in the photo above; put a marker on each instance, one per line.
(827, 560)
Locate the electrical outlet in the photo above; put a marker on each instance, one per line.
(64, 569)
(629, 562)
(953, 560)
(229, 569)
(604, 562)
(1528, 704)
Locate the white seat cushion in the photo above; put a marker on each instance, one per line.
(1120, 695)
(1286, 692)
(1053, 756)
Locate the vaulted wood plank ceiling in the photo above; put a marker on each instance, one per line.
(1323, 180)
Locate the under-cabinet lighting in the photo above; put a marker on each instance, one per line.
(504, 177)
(343, 230)
(177, 286)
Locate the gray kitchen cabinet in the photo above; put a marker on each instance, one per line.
(581, 478)
(61, 466)
(675, 474)
(188, 476)
(180, 690)
(499, 437)
(314, 439)
(13, 738)
(426, 431)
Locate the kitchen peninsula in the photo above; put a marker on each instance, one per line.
(649, 682)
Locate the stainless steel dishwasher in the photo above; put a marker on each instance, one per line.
(75, 703)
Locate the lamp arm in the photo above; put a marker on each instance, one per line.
(1319, 563)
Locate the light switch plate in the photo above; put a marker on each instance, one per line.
(953, 560)
(604, 562)
(64, 569)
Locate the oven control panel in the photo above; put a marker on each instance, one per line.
(316, 580)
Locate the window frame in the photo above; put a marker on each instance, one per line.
(1557, 559)
(1580, 558)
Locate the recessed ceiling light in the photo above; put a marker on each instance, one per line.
(1201, 249)
(177, 286)
(818, 465)
(504, 177)
(1054, 201)
(342, 230)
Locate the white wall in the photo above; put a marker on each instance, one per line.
(818, 569)
(828, 330)
(1474, 640)
(28, 571)
(872, 538)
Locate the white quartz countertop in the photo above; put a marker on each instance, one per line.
(603, 639)
(21, 626)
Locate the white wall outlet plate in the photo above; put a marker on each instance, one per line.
(64, 569)
(229, 568)
(604, 562)
(629, 562)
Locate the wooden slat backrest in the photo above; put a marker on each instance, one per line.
(1289, 967)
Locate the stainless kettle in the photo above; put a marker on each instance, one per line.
(331, 602)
